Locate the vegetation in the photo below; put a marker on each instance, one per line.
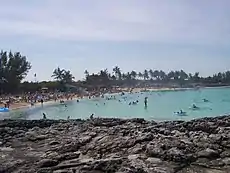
(14, 68)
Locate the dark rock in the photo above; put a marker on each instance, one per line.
(226, 161)
(115, 145)
(208, 153)
(154, 150)
(47, 163)
(54, 143)
(68, 156)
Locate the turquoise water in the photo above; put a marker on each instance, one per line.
(161, 106)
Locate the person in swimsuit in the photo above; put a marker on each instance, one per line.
(146, 101)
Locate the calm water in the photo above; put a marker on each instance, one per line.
(161, 106)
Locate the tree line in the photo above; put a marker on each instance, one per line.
(14, 67)
(179, 77)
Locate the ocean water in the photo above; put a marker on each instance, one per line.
(161, 106)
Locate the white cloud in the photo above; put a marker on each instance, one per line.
(131, 20)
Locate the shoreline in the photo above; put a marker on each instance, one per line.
(50, 102)
(28, 105)
(115, 145)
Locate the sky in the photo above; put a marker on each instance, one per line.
(193, 35)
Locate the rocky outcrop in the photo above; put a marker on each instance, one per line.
(115, 146)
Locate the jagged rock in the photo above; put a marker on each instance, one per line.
(6, 149)
(115, 145)
(47, 163)
(226, 161)
(54, 143)
(208, 153)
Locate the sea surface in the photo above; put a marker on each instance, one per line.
(161, 106)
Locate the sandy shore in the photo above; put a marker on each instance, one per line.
(22, 105)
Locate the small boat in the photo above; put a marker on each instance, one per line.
(4, 109)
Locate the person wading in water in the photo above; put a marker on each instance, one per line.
(146, 102)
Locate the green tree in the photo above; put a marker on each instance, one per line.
(156, 74)
(58, 74)
(171, 75)
(190, 76)
(117, 72)
(140, 75)
(176, 75)
(151, 73)
(196, 77)
(162, 75)
(146, 74)
(133, 74)
(67, 77)
(13, 69)
(183, 75)
(63, 77)
(104, 75)
(86, 73)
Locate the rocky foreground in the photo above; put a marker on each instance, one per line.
(115, 145)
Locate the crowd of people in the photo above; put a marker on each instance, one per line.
(17, 101)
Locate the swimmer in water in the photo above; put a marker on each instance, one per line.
(91, 116)
(205, 100)
(68, 117)
(195, 107)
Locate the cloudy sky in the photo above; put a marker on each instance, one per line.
(193, 35)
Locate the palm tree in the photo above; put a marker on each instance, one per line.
(183, 75)
(151, 73)
(162, 75)
(156, 74)
(227, 76)
(128, 76)
(67, 77)
(176, 75)
(146, 75)
(190, 76)
(104, 74)
(140, 75)
(123, 76)
(58, 74)
(133, 74)
(117, 72)
(86, 73)
(196, 76)
(171, 75)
